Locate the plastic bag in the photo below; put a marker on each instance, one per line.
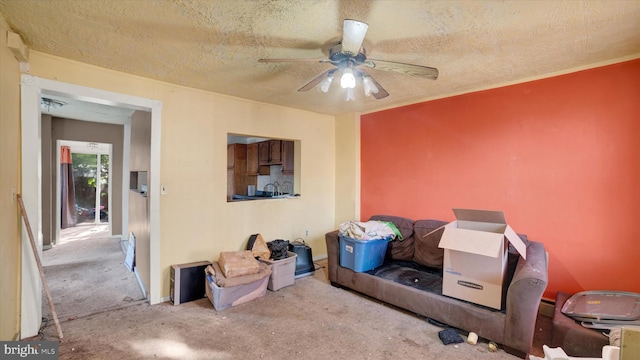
(278, 249)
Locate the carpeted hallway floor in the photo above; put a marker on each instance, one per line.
(309, 320)
(85, 273)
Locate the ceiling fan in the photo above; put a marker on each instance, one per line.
(350, 59)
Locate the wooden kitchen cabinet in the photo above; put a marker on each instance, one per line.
(253, 161)
(263, 153)
(230, 184)
(230, 156)
(270, 152)
(288, 150)
(253, 165)
(275, 151)
(237, 178)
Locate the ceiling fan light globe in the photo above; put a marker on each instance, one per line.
(348, 80)
(374, 88)
(326, 83)
(348, 95)
(369, 86)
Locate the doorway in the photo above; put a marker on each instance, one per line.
(32, 89)
(87, 188)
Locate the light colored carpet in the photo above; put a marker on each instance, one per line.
(309, 320)
(102, 317)
(85, 274)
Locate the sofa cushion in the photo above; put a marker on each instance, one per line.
(426, 250)
(405, 225)
(399, 249)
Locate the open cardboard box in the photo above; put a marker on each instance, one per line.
(475, 256)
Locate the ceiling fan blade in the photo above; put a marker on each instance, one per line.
(317, 80)
(294, 60)
(353, 33)
(409, 69)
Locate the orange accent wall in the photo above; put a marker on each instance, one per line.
(560, 156)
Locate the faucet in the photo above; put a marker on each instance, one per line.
(286, 187)
(266, 187)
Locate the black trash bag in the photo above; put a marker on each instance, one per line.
(449, 336)
(278, 249)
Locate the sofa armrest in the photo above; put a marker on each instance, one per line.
(333, 254)
(523, 298)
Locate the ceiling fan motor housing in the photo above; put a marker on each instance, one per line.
(342, 59)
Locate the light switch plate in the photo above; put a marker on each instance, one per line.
(163, 189)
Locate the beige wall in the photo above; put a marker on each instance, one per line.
(196, 221)
(10, 221)
(347, 168)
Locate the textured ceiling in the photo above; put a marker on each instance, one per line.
(215, 45)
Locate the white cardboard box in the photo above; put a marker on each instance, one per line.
(475, 256)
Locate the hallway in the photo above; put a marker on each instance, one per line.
(86, 275)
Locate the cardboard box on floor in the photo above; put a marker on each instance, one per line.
(238, 263)
(475, 256)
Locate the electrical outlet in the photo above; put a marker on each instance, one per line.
(13, 194)
(306, 233)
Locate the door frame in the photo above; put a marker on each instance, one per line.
(31, 90)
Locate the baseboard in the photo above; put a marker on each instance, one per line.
(546, 308)
(124, 242)
(165, 299)
(321, 257)
(144, 290)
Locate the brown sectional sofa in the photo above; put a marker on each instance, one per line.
(411, 278)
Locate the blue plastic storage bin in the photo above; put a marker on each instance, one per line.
(362, 255)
